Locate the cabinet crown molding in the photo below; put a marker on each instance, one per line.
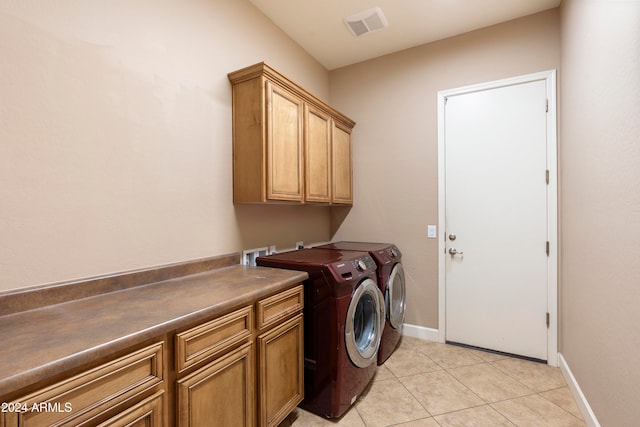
(261, 69)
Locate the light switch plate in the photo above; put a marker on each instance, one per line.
(432, 232)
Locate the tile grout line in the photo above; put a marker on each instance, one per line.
(420, 350)
(410, 393)
(446, 370)
(535, 392)
(491, 363)
(558, 406)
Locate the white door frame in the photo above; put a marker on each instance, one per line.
(552, 202)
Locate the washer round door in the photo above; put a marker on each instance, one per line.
(364, 324)
(395, 298)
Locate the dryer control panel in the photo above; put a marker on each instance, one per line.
(353, 269)
(368, 262)
(388, 255)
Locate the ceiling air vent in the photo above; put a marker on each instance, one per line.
(366, 22)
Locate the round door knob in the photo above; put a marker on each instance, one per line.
(452, 237)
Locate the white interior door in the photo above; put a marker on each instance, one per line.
(496, 228)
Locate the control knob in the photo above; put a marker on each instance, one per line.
(360, 265)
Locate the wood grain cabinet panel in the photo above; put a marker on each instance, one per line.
(284, 145)
(84, 398)
(205, 341)
(221, 393)
(281, 371)
(317, 155)
(277, 308)
(148, 413)
(342, 192)
(284, 142)
(267, 143)
(202, 375)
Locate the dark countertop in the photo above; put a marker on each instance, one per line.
(40, 343)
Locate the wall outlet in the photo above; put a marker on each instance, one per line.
(299, 245)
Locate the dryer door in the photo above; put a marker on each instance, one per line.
(364, 324)
(395, 298)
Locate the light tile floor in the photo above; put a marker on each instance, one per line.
(429, 384)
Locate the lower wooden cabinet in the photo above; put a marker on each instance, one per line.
(148, 413)
(232, 388)
(221, 393)
(241, 369)
(90, 396)
(280, 371)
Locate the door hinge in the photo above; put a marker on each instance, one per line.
(548, 320)
(547, 248)
(546, 176)
(546, 107)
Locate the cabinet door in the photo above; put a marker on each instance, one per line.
(281, 370)
(221, 393)
(284, 144)
(342, 170)
(317, 156)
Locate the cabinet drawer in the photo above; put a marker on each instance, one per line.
(204, 341)
(79, 400)
(147, 413)
(280, 306)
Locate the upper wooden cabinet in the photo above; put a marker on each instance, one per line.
(284, 144)
(342, 192)
(317, 155)
(288, 145)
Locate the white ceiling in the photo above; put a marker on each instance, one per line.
(318, 25)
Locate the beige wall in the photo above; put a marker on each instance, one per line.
(115, 130)
(394, 101)
(115, 148)
(600, 166)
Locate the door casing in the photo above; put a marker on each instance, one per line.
(552, 201)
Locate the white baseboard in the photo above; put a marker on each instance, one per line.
(421, 332)
(584, 407)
